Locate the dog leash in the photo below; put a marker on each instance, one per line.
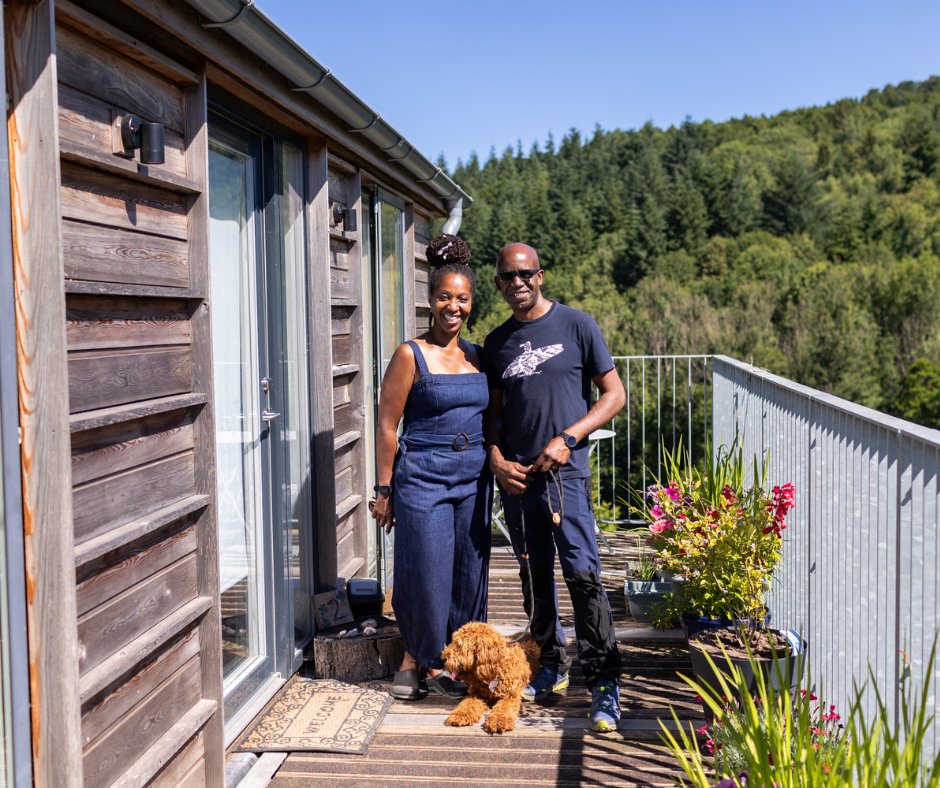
(557, 518)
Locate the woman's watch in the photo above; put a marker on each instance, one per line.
(383, 489)
(570, 440)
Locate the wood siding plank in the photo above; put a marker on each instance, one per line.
(102, 379)
(342, 419)
(121, 42)
(147, 560)
(107, 254)
(190, 757)
(105, 198)
(98, 453)
(139, 529)
(341, 349)
(109, 627)
(337, 185)
(207, 533)
(32, 122)
(86, 65)
(120, 666)
(94, 322)
(125, 497)
(170, 744)
(344, 458)
(142, 727)
(422, 228)
(339, 319)
(100, 716)
(344, 487)
(100, 418)
(325, 566)
(339, 283)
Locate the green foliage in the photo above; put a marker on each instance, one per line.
(723, 535)
(783, 741)
(919, 396)
(807, 241)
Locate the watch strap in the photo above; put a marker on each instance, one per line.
(570, 440)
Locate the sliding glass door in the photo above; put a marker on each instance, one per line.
(260, 362)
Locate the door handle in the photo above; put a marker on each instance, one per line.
(269, 415)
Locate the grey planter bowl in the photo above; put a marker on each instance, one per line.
(641, 594)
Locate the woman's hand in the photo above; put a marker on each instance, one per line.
(383, 512)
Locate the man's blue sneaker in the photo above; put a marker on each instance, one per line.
(605, 707)
(546, 681)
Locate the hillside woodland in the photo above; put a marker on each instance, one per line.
(807, 242)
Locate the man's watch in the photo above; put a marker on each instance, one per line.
(383, 489)
(570, 440)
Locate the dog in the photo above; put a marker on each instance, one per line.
(497, 672)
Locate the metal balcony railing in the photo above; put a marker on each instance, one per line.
(861, 571)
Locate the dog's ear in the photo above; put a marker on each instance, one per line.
(488, 652)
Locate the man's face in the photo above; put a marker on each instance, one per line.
(521, 292)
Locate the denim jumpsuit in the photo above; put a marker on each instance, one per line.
(442, 510)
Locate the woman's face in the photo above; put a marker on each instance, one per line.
(451, 302)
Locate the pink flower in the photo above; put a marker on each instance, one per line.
(658, 512)
(672, 492)
(658, 527)
(702, 731)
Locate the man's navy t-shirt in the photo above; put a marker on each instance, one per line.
(545, 367)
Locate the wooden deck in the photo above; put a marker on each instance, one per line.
(553, 745)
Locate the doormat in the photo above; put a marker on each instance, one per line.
(319, 715)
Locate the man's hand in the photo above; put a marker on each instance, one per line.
(553, 456)
(512, 477)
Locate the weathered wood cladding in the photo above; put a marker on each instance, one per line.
(43, 391)
(353, 519)
(142, 516)
(422, 233)
(114, 325)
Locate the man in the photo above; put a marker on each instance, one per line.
(541, 363)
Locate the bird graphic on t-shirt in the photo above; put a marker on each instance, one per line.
(525, 364)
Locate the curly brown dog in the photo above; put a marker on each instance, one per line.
(497, 672)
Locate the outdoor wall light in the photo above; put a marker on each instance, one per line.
(146, 136)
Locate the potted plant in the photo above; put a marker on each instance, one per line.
(725, 540)
(642, 588)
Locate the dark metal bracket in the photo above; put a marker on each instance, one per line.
(234, 19)
(366, 128)
(319, 82)
(433, 177)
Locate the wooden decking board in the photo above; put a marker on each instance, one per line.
(552, 745)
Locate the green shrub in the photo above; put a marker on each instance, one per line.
(773, 740)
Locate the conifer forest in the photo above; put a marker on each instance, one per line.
(807, 243)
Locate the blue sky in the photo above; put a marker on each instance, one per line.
(461, 77)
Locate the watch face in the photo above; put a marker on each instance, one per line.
(570, 441)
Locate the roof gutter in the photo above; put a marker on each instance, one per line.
(245, 22)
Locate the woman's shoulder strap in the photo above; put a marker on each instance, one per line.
(419, 357)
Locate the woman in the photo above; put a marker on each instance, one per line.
(434, 491)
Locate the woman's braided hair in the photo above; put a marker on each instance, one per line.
(449, 254)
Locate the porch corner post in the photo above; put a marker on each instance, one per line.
(32, 126)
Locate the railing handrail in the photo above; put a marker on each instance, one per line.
(907, 428)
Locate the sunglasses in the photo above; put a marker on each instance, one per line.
(525, 274)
